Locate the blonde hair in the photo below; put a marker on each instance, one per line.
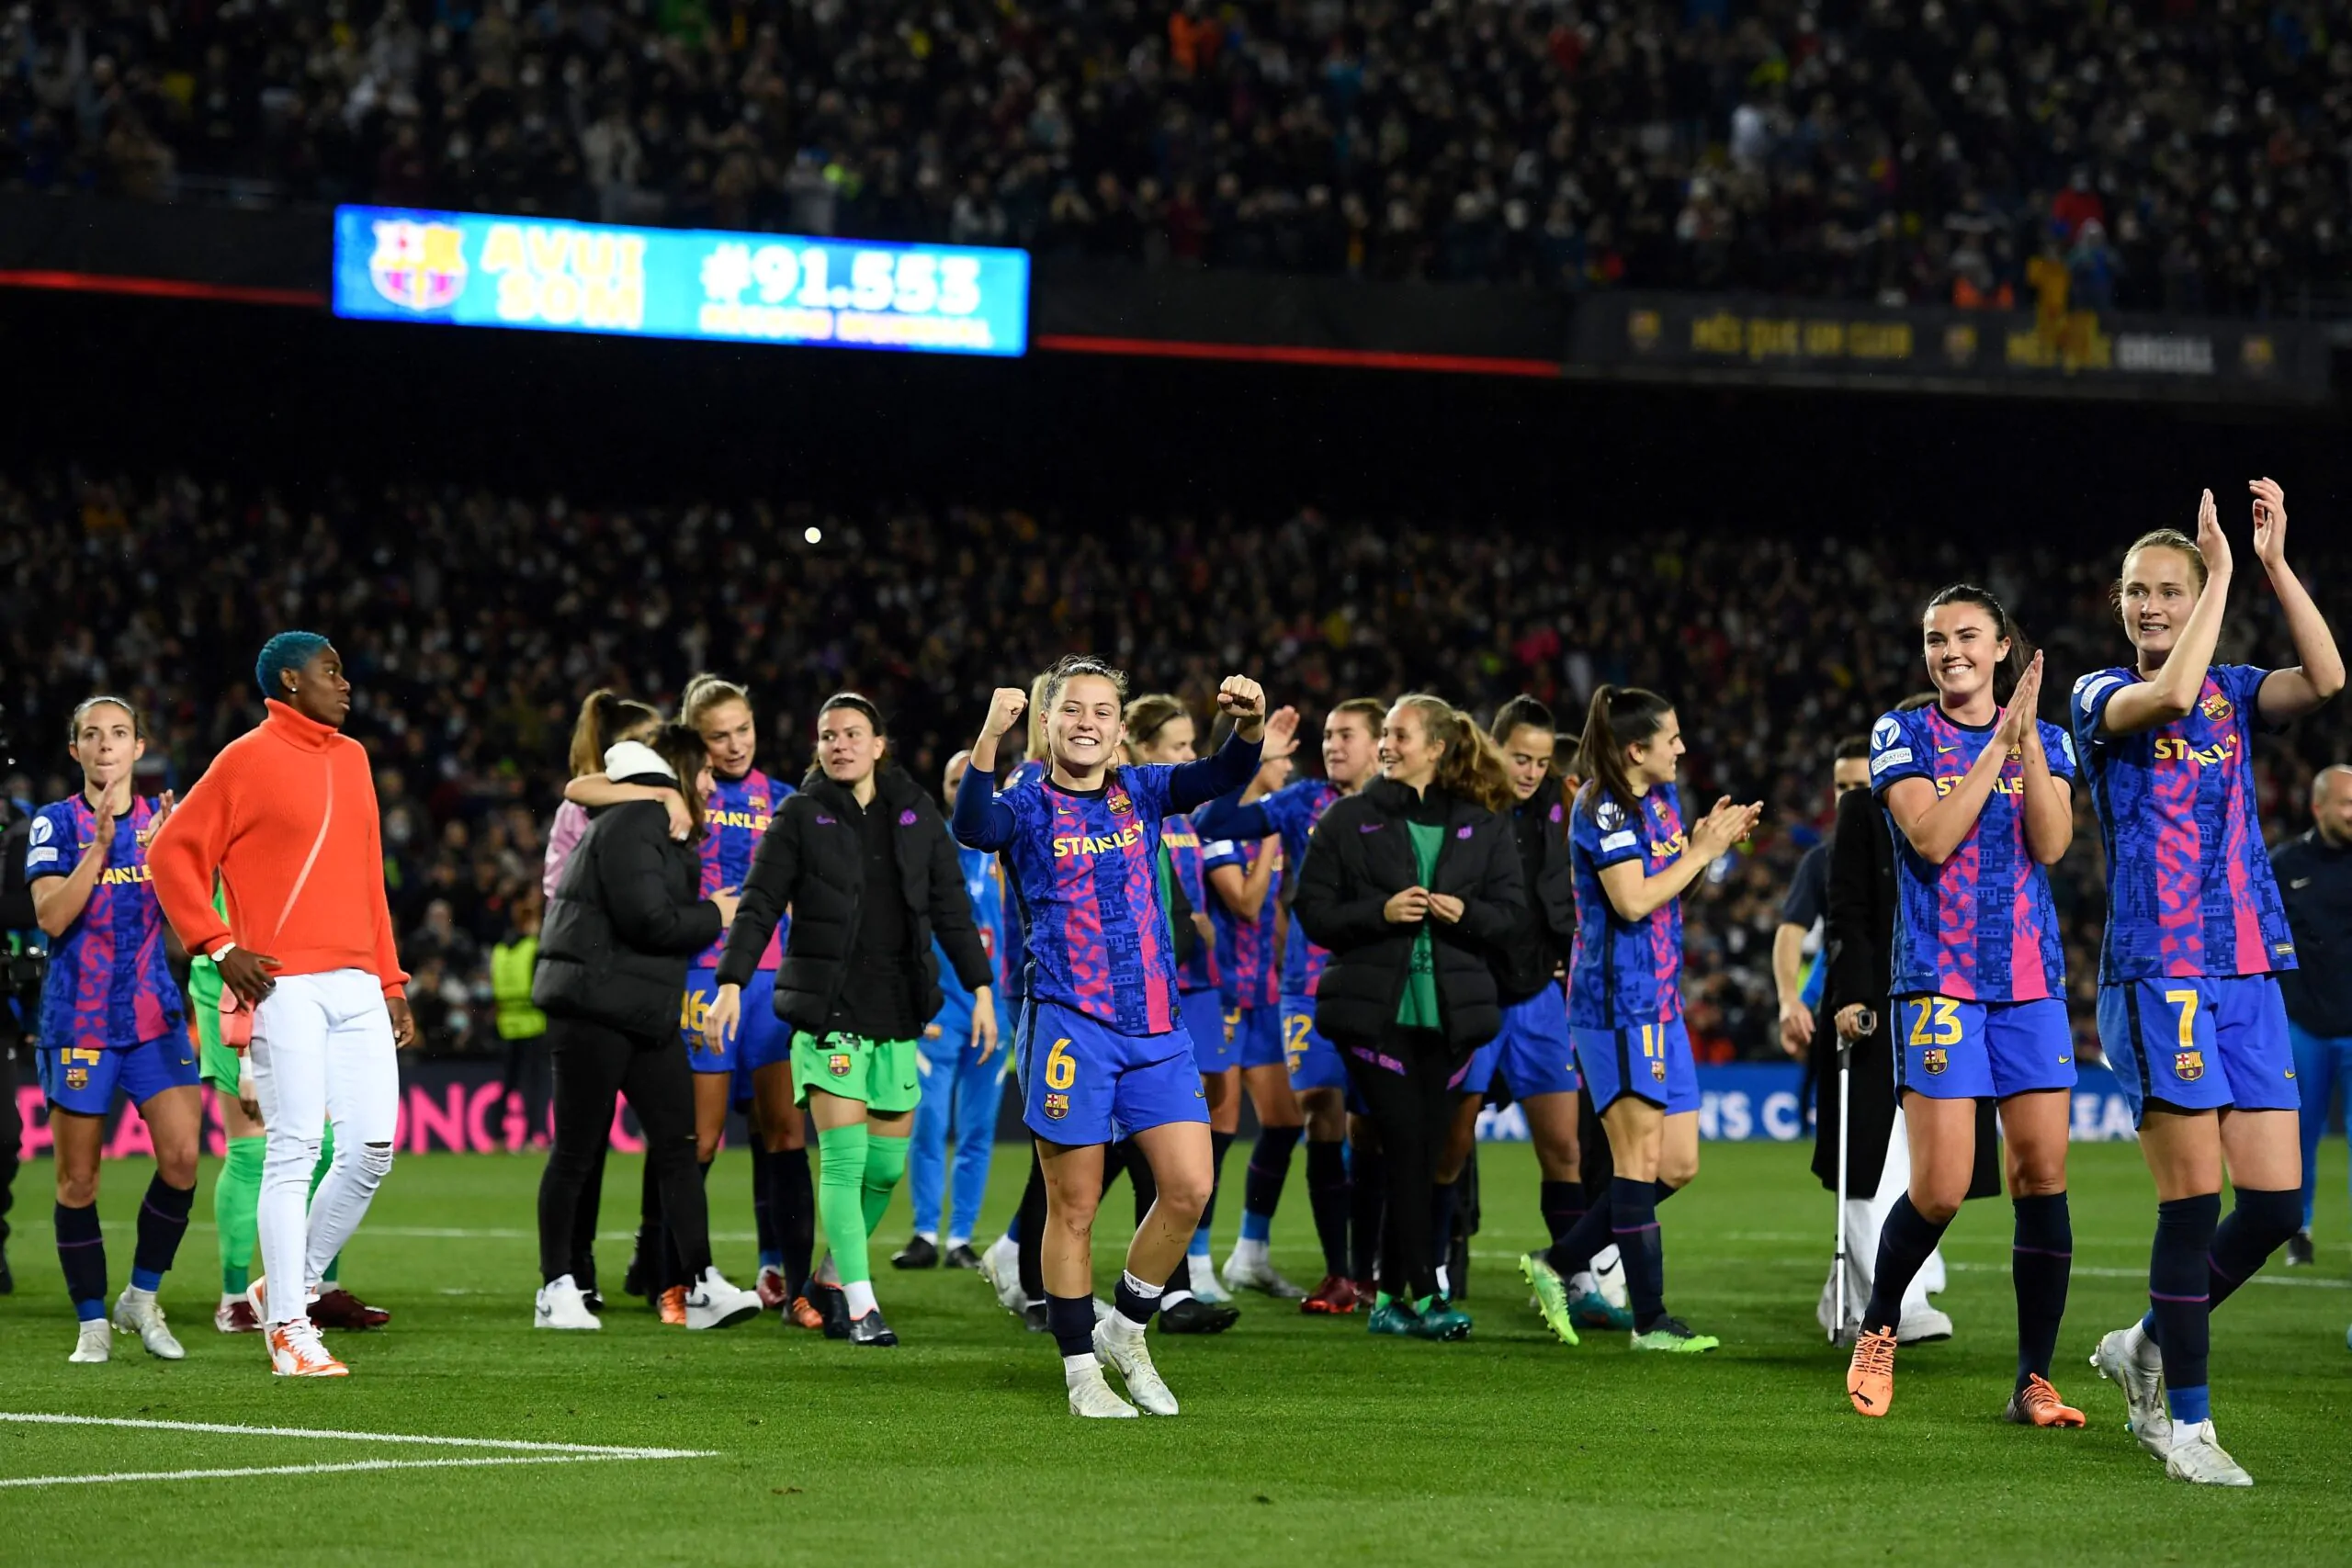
(1470, 765)
(606, 716)
(2158, 539)
(1148, 715)
(706, 691)
(1037, 690)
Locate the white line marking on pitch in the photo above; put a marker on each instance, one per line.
(514, 1450)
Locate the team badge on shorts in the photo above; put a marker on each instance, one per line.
(1934, 1060)
(78, 1078)
(839, 1064)
(1657, 1069)
(2188, 1065)
(1057, 1107)
(2216, 707)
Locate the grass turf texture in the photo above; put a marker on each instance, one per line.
(1301, 1438)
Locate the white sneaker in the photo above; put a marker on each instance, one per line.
(138, 1312)
(1250, 1269)
(2197, 1458)
(2144, 1416)
(257, 1297)
(1202, 1273)
(712, 1302)
(1609, 1277)
(1001, 1267)
(1129, 1353)
(95, 1343)
(1103, 1310)
(559, 1304)
(297, 1351)
(1923, 1326)
(1091, 1395)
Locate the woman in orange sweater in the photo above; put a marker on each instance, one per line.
(286, 817)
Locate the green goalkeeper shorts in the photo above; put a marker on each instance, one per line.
(880, 1072)
(218, 1063)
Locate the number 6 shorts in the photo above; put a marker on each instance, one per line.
(1953, 1049)
(1083, 1082)
(2199, 1045)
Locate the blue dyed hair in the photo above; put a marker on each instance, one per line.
(286, 650)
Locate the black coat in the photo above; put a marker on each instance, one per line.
(628, 918)
(1859, 938)
(1361, 854)
(812, 858)
(1546, 930)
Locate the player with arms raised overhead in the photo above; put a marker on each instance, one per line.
(110, 1017)
(2188, 1003)
(1103, 1049)
(1980, 800)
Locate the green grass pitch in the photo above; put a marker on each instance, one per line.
(1303, 1440)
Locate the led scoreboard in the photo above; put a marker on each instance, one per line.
(466, 269)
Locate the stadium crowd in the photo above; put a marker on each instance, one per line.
(2185, 155)
(467, 677)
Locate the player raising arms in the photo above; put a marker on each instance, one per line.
(1104, 1052)
(1633, 861)
(2189, 1010)
(1981, 800)
(111, 1016)
(1308, 1091)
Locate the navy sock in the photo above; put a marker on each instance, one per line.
(1367, 1207)
(1328, 1192)
(1902, 1247)
(1563, 1205)
(1218, 1143)
(163, 1220)
(2042, 1258)
(1132, 1304)
(1572, 1254)
(1261, 1187)
(2259, 1226)
(2179, 1298)
(1073, 1321)
(1442, 1206)
(1633, 1225)
(763, 1207)
(792, 1209)
(82, 1254)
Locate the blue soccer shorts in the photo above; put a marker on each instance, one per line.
(761, 1037)
(1204, 1022)
(1083, 1082)
(1533, 1054)
(1963, 1050)
(1648, 1061)
(1257, 1036)
(2199, 1045)
(82, 1079)
(1315, 1062)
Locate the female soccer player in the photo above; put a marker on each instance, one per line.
(1310, 1096)
(1981, 797)
(111, 1016)
(2189, 1004)
(862, 857)
(1103, 1047)
(1633, 861)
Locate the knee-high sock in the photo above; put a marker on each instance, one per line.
(1328, 1193)
(2042, 1260)
(1261, 1186)
(1367, 1208)
(885, 1166)
(1443, 1199)
(1563, 1204)
(162, 1221)
(1633, 1225)
(763, 1206)
(841, 1199)
(1029, 1245)
(1902, 1246)
(1218, 1143)
(236, 1192)
(793, 1207)
(1571, 1255)
(2258, 1227)
(2180, 1299)
(82, 1254)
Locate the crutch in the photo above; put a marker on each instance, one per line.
(1865, 1023)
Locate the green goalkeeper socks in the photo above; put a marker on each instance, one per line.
(236, 1200)
(843, 1157)
(885, 1166)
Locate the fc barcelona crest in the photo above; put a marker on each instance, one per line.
(1057, 1107)
(1658, 1068)
(1935, 1060)
(1118, 802)
(2216, 707)
(78, 1078)
(2188, 1065)
(838, 1063)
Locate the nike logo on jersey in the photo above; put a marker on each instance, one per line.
(1946, 751)
(2063, 1060)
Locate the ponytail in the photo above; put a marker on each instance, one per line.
(606, 716)
(1470, 765)
(706, 691)
(1620, 717)
(2011, 669)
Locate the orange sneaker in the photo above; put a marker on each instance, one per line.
(673, 1304)
(295, 1351)
(800, 1314)
(1870, 1378)
(2038, 1405)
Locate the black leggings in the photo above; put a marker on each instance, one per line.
(1403, 1080)
(593, 1063)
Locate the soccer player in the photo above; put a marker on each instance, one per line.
(111, 1016)
(1980, 800)
(2189, 1004)
(1311, 1094)
(862, 857)
(963, 1081)
(1532, 1054)
(1633, 861)
(1104, 1048)
(286, 820)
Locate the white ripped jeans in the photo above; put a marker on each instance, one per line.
(322, 1050)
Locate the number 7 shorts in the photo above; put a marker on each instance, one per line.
(1955, 1049)
(2199, 1045)
(1083, 1082)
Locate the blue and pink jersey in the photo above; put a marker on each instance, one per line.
(1292, 812)
(1624, 973)
(110, 985)
(2190, 889)
(734, 819)
(1981, 927)
(1085, 875)
(1247, 974)
(1182, 842)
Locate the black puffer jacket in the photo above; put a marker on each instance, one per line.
(629, 917)
(1546, 930)
(812, 858)
(1361, 854)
